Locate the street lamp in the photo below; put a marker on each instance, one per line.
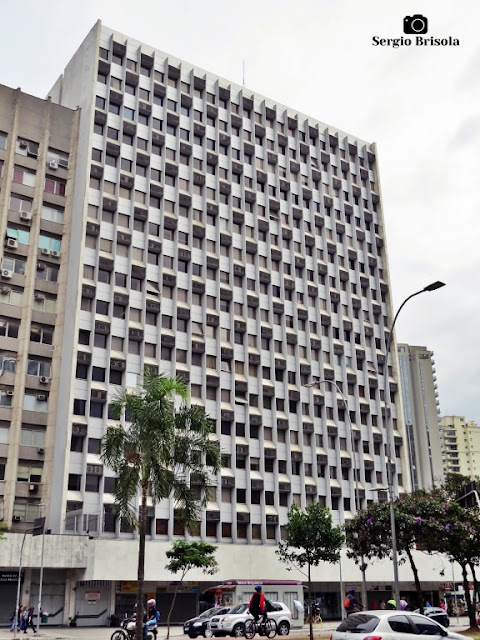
(389, 430)
(317, 383)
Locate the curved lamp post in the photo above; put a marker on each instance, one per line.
(389, 429)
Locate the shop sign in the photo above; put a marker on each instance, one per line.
(10, 576)
(128, 586)
(183, 587)
(92, 596)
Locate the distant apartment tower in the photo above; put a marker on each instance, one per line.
(205, 231)
(460, 446)
(421, 415)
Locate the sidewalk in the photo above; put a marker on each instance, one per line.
(176, 631)
(80, 633)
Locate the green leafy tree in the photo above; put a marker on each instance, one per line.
(185, 556)
(159, 448)
(454, 484)
(311, 538)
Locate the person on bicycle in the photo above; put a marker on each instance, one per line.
(257, 604)
(351, 603)
(153, 617)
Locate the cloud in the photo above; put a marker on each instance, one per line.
(467, 133)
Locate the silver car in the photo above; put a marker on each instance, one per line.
(391, 625)
(233, 623)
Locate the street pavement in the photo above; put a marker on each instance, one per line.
(104, 633)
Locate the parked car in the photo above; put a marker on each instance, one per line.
(390, 625)
(437, 614)
(233, 623)
(200, 626)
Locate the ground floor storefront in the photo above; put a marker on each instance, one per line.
(93, 582)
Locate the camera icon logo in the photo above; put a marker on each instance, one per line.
(415, 25)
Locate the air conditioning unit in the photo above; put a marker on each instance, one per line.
(25, 215)
(5, 290)
(53, 164)
(44, 379)
(7, 274)
(46, 252)
(41, 398)
(39, 296)
(33, 488)
(9, 393)
(41, 451)
(12, 243)
(98, 394)
(55, 254)
(16, 519)
(63, 162)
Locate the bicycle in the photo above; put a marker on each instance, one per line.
(317, 619)
(267, 628)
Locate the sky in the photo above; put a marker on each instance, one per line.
(419, 104)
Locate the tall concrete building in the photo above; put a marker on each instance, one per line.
(460, 446)
(207, 232)
(421, 415)
(38, 146)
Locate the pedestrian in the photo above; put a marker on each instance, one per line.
(391, 605)
(403, 605)
(24, 618)
(351, 603)
(15, 619)
(450, 611)
(30, 621)
(382, 605)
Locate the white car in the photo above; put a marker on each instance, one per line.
(391, 625)
(233, 623)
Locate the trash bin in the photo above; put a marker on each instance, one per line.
(43, 618)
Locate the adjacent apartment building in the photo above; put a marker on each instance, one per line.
(156, 215)
(421, 415)
(460, 446)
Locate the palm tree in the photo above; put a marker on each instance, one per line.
(160, 448)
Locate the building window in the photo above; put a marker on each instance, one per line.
(31, 437)
(55, 186)
(24, 176)
(29, 472)
(41, 334)
(51, 213)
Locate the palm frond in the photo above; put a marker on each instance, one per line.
(112, 447)
(126, 489)
(162, 445)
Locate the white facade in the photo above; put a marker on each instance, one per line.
(240, 244)
(421, 415)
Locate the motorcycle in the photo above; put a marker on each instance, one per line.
(128, 627)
